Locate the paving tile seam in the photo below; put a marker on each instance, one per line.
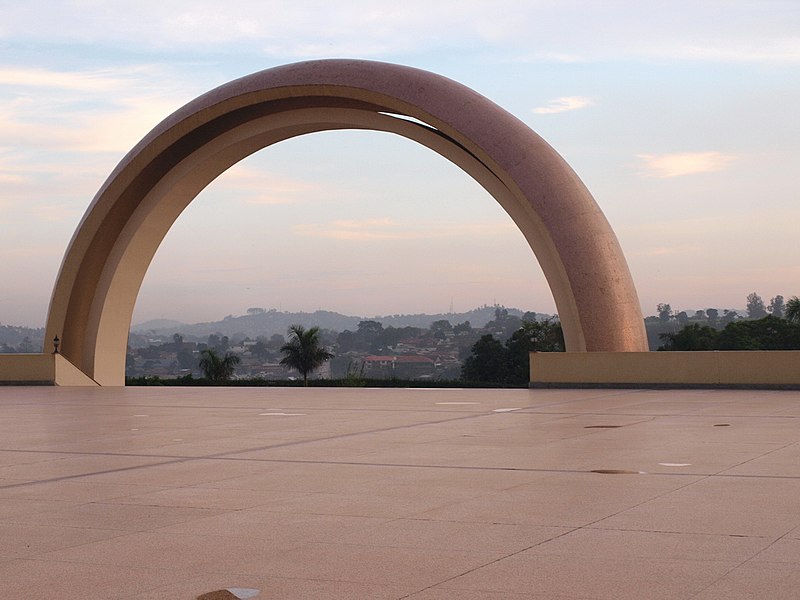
(214, 407)
(527, 410)
(671, 532)
(460, 551)
(109, 502)
(541, 409)
(315, 409)
(740, 564)
(231, 455)
(122, 532)
(328, 438)
(421, 409)
(178, 460)
(193, 572)
(516, 595)
(491, 562)
(775, 541)
(420, 517)
(486, 468)
(432, 466)
(224, 455)
(90, 474)
(667, 415)
(350, 434)
(759, 457)
(42, 556)
(596, 396)
(591, 524)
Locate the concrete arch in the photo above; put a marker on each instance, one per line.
(100, 276)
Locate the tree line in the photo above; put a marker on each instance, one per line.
(492, 361)
(303, 353)
(777, 330)
(756, 308)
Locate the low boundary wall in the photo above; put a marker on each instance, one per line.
(40, 369)
(743, 369)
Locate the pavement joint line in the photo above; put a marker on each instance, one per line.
(696, 476)
(743, 562)
(224, 455)
(600, 394)
(759, 457)
(316, 409)
(469, 415)
(525, 410)
(232, 455)
(491, 562)
(562, 534)
(734, 535)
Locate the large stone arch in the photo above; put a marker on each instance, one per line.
(96, 289)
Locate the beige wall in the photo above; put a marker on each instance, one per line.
(27, 368)
(41, 369)
(746, 368)
(68, 374)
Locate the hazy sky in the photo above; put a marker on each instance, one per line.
(682, 118)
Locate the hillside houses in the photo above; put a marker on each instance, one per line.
(370, 351)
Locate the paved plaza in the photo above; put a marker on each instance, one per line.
(172, 493)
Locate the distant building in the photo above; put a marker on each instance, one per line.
(401, 367)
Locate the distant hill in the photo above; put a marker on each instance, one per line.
(12, 337)
(156, 324)
(272, 321)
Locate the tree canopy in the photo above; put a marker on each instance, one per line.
(769, 333)
(491, 361)
(217, 368)
(304, 352)
(792, 310)
(755, 306)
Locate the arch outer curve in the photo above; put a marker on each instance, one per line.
(96, 288)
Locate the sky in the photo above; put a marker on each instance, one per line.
(681, 118)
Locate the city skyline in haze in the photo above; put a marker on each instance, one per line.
(680, 118)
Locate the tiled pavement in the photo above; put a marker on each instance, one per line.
(169, 493)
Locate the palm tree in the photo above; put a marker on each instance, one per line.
(792, 310)
(303, 351)
(217, 368)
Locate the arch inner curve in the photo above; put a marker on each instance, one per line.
(109, 254)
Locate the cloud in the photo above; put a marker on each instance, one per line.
(671, 250)
(85, 111)
(29, 181)
(103, 130)
(556, 57)
(563, 104)
(57, 212)
(22, 168)
(255, 186)
(720, 30)
(782, 50)
(357, 230)
(387, 229)
(664, 166)
(83, 81)
(299, 29)
(11, 178)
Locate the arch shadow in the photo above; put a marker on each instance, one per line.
(108, 256)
